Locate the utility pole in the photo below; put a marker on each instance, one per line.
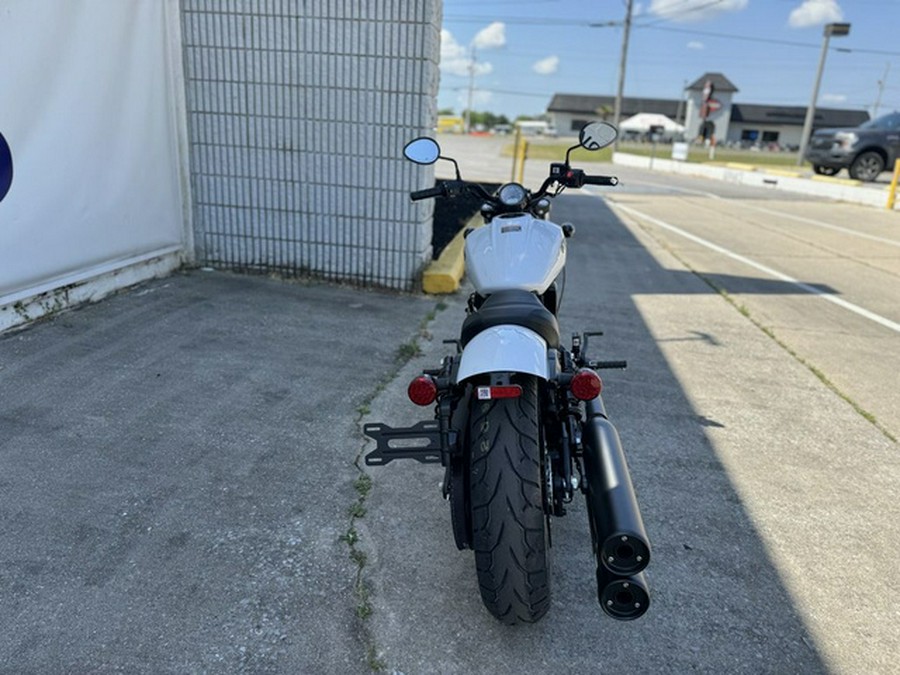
(467, 125)
(881, 82)
(838, 30)
(680, 112)
(617, 111)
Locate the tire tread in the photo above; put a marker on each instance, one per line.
(508, 522)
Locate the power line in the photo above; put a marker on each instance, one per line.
(505, 92)
(529, 21)
(747, 38)
(653, 26)
(688, 10)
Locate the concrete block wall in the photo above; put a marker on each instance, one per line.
(298, 111)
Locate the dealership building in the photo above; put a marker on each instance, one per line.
(707, 109)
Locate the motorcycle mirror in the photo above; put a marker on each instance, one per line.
(422, 150)
(597, 135)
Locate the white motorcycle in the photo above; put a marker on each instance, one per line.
(519, 422)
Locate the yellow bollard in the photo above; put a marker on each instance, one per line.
(522, 157)
(518, 138)
(892, 193)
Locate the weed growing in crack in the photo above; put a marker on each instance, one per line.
(363, 485)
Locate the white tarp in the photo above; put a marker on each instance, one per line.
(87, 107)
(643, 121)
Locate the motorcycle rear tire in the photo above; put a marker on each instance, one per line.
(509, 528)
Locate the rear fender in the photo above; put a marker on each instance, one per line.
(507, 348)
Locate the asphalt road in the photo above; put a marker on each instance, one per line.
(759, 420)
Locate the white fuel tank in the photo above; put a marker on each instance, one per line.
(515, 251)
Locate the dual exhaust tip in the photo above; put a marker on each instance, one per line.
(619, 539)
(622, 598)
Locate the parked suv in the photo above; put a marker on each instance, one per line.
(865, 151)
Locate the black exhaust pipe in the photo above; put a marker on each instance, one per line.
(622, 598)
(620, 542)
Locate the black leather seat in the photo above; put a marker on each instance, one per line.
(516, 307)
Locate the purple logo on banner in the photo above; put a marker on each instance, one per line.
(6, 171)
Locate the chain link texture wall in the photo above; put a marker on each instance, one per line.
(298, 111)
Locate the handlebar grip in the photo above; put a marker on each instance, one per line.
(601, 180)
(436, 191)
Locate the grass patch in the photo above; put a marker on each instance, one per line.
(700, 155)
(375, 664)
(363, 485)
(556, 151)
(407, 351)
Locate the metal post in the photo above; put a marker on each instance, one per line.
(467, 124)
(892, 193)
(617, 111)
(522, 157)
(518, 139)
(836, 29)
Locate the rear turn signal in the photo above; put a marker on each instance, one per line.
(422, 390)
(586, 385)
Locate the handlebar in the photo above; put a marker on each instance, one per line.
(561, 174)
(450, 188)
(427, 193)
(601, 180)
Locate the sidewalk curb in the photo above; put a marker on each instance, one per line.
(840, 189)
(445, 274)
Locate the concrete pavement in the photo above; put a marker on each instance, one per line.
(770, 501)
(178, 475)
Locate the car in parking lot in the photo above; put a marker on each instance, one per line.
(865, 151)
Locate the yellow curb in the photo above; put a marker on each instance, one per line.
(839, 181)
(788, 173)
(444, 274)
(741, 165)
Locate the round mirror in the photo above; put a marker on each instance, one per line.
(422, 151)
(597, 135)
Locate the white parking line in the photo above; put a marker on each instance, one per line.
(856, 309)
(780, 214)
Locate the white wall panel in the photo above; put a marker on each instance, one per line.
(298, 113)
(88, 106)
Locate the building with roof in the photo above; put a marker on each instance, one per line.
(706, 110)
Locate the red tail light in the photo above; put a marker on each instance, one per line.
(422, 390)
(586, 385)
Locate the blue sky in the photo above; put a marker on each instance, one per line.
(527, 50)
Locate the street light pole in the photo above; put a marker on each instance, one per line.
(838, 30)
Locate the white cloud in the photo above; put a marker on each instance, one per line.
(491, 36)
(694, 44)
(834, 98)
(455, 58)
(450, 48)
(546, 66)
(815, 13)
(686, 11)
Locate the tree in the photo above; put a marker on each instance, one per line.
(488, 120)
